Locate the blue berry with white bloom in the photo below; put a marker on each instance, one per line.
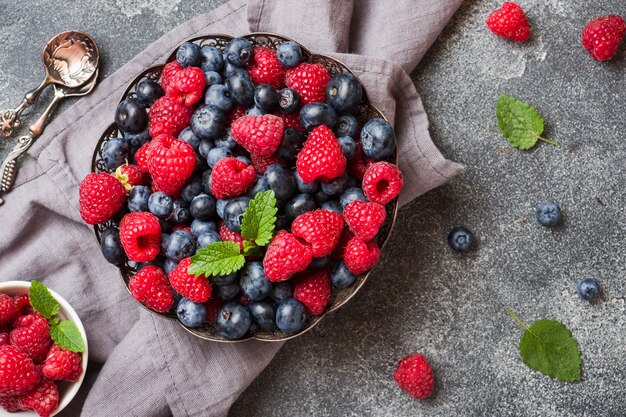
(378, 139)
(201, 226)
(160, 204)
(347, 125)
(263, 315)
(266, 98)
(333, 205)
(315, 114)
(300, 204)
(111, 246)
(281, 292)
(226, 279)
(207, 238)
(548, 214)
(234, 211)
(212, 78)
(350, 195)
(238, 52)
(188, 136)
(233, 320)
(211, 59)
(188, 55)
(288, 100)
(208, 122)
(289, 54)
(241, 88)
(202, 207)
(148, 91)
(336, 186)
(348, 146)
(461, 239)
(189, 313)
(588, 289)
(216, 154)
(138, 198)
(180, 245)
(344, 92)
(192, 188)
(115, 152)
(227, 292)
(341, 277)
(305, 187)
(218, 96)
(291, 316)
(254, 283)
(281, 181)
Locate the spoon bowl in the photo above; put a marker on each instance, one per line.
(70, 59)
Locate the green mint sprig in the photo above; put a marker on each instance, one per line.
(520, 123)
(63, 332)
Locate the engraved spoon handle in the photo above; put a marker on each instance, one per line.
(10, 118)
(8, 170)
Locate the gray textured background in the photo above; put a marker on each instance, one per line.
(422, 297)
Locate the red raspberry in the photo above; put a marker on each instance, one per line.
(321, 157)
(309, 80)
(32, 336)
(320, 228)
(9, 403)
(18, 374)
(261, 163)
(360, 256)
(62, 365)
(22, 302)
(168, 116)
(346, 236)
(4, 339)
(228, 235)
(196, 289)
(509, 22)
(359, 163)
(129, 176)
(149, 286)
(313, 290)
(236, 113)
(603, 36)
(231, 177)
(212, 307)
(292, 120)
(187, 86)
(43, 400)
(8, 310)
(142, 156)
(184, 227)
(382, 182)
(364, 218)
(414, 376)
(169, 72)
(259, 135)
(286, 255)
(100, 197)
(265, 68)
(140, 235)
(171, 163)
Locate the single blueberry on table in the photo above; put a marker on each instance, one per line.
(241, 88)
(336, 186)
(300, 204)
(192, 188)
(180, 245)
(138, 198)
(225, 279)
(344, 92)
(332, 205)
(289, 54)
(320, 262)
(548, 214)
(136, 140)
(218, 96)
(228, 291)
(233, 320)
(341, 277)
(112, 247)
(211, 59)
(290, 316)
(148, 91)
(202, 207)
(169, 265)
(281, 292)
(315, 114)
(238, 52)
(266, 97)
(350, 195)
(115, 152)
(263, 315)
(253, 282)
(288, 100)
(188, 55)
(131, 116)
(188, 136)
(305, 187)
(348, 146)
(347, 125)
(212, 78)
(233, 213)
(199, 227)
(461, 239)
(160, 204)
(216, 154)
(291, 144)
(208, 122)
(378, 139)
(189, 313)
(207, 238)
(588, 289)
(281, 181)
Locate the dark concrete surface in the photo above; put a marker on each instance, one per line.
(422, 297)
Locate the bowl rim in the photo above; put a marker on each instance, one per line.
(68, 311)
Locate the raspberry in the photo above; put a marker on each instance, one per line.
(212, 307)
(8, 310)
(140, 235)
(171, 163)
(259, 135)
(228, 235)
(346, 236)
(264, 68)
(4, 338)
(62, 365)
(414, 376)
(196, 289)
(129, 176)
(320, 228)
(309, 80)
(149, 286)
(231, 177)
(603, 36)
(142, 156)
(359, 163)
(321, 157)
(261, 163)
(9, 403)
(286, 255)
(382, 182)
(169, 72)
(18, 374)
(32, 336)
(44, 399)
(186, 86)
(509, 22)
(235, 113)
(100, 197)
(292, 120)
(313, 290)
(360, 256)
(364, 218)
(168, 116)
(22, 302)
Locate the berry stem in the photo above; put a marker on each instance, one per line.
(551, 142)
(517, 319)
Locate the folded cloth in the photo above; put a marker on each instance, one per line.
(144, 365)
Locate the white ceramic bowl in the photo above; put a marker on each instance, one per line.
(67, 390)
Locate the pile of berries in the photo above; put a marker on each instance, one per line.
(30, 363)
(219, 128)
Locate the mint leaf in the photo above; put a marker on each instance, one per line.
(520, 123)
(549, 347)
(218, 258)
(41, 300)
(258, 220)
(250, 249)
(67, 336)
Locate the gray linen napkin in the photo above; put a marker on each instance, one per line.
(149, 366)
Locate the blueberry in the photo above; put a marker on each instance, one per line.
(169, 265)
(336, 186)
(254, 283)
(378, 139)
(289, 54)
(166, 227)
(461, 239)
(188, 136)
(344, 92)
(160, 204)
(238, 51)
(165, 240)
(341, 277)
(148, 92)
(300, 204)
(138, 198)
(291, 144)
(259, 186)
(244, 159)
(321, 197)
(227, 292)
(208, 122)
(212, 78)
(315, 114)
(131, 116)
(112, 247)
(180, 245)
(333, 206)
(320, 262)
(227, 141)
(233, 213)
(288, 100)
(263, 314)
(588, 289)
(255, 111)
(207, 238)
(233, 320)
(226, 279)
(202, 207)
(290, 316)
(135, 140)
(305, 187)
(188, 55)
(346, 125)
(199, 227)
(281, 181)
(190, 314)
(216, 154)
(548, 213)
(192, 188)
(348, 146)
(281, 292)
(218, 96)
(241, 88)
(206, 182)
(229, 69)
(350, 195)
(115, 152)
(205, 147)
(220, 206)
(180, 212)
(266, 97)
(211, 59)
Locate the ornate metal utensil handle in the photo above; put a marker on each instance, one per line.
(9, 169)
(10, 118)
